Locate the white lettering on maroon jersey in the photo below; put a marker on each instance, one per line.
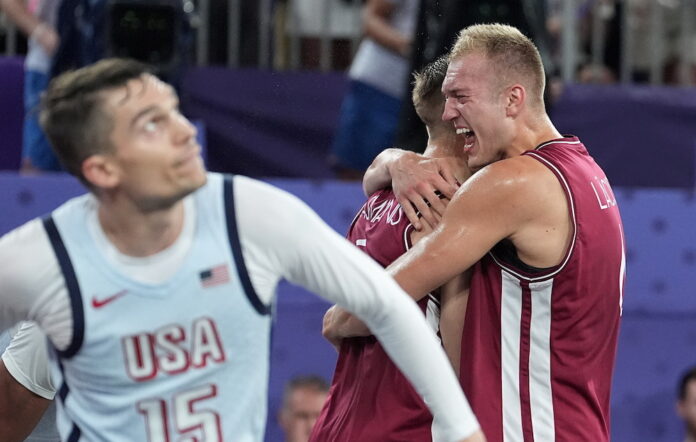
(607, 199)
(373, 213)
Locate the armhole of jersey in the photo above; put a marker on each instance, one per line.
(236, 247)
(62, 395)
(552, 271)
(71, 285)
(408, 243)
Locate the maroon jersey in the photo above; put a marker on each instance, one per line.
(539, 345)
(370, 400)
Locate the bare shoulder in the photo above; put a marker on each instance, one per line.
(512, 192)
(510, 177)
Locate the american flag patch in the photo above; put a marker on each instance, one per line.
(215, 276)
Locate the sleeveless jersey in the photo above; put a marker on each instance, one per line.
(370, 400)
(539, 346)
(183, 360)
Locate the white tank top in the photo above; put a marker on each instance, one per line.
(185, 358)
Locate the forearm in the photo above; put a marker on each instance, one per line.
(20, 409)
(378, 175)
(340, 323)
(453, 300)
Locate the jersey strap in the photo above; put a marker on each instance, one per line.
(72, 286)
(235, 245)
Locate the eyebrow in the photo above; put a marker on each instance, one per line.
(150, 109)
(143, 113)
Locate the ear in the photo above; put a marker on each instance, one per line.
(681, 412)
(101, 172)
(516, 97)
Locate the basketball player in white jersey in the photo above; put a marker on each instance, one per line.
(25, 387)
(155, 290)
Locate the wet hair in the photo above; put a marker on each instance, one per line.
(72, 115)
(687, 377)
(515, 57)
(427, 91)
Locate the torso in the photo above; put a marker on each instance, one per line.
(370, 400)
(172, 354)
(539, 345)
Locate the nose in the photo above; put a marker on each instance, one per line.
(185, 130)
(449, 113)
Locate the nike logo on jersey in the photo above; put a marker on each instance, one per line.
(99, 303)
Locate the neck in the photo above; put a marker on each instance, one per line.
(443, 142)
(534, 132)
(138, 232)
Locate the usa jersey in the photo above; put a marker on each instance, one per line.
(183, 360)
(539, 345)
(369, 399)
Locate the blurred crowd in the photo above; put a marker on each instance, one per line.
(378, 43)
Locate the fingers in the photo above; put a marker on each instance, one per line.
(420, 207)
(437, 203)
(448, 185)
(410, 212)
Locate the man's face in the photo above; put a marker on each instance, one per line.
(155, 152)
(300, 413)
(687, 407)
(475, 105)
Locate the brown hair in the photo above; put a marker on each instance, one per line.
(311, 382)
(515, 58)
(427, 94)
(72, 116)
(687, 377)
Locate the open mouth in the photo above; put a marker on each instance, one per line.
(469, 137)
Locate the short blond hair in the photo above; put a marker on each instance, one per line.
(427, 91)
(515, 57)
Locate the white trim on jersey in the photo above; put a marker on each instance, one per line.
(510, 313)
(571, 247)
(540, 391)
(622, 270)
(539, 369)
(563, 141)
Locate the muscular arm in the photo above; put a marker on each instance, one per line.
(454, 296)
(307, 252)
(25, 387)
(20, 409)
(507, 199)
(518, 199)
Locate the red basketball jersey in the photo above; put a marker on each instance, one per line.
(539, 346)
(370, 400)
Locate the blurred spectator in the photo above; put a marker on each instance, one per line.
(303, 399)
(68, 34)
(439, 23)
(37, 19)
(308, 21)
(654, 34)
(378, 77)
(686, 404)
